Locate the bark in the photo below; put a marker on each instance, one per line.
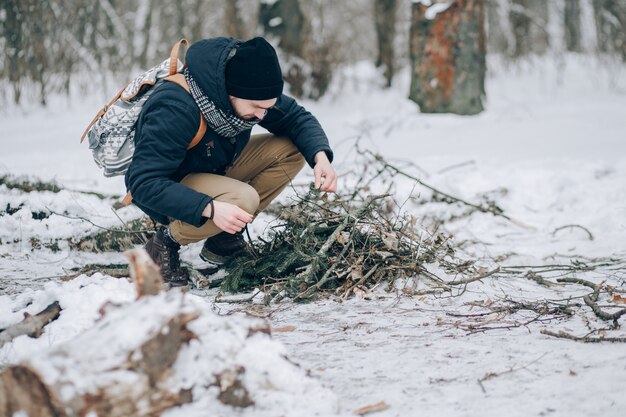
(529, 21)
(385, 19)
(610, 18)
(496, 38)
(572, 25)
(196, 20)
(141, 35)
(129, 388)
(539, 34)
(38, 57)
(145, 273)
(232, 19)
(284, 21)
(448, 58)
(15, 43)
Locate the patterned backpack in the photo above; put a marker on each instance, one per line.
(112, 132)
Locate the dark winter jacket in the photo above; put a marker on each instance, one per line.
(170, 119)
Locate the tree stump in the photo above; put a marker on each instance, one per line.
(448, 56)
(96, 373)
(116, 368)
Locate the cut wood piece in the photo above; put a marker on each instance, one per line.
(144, 273)
(21, 389)
(284, 329)
(232, 390)
(31, 325)
(374, 408)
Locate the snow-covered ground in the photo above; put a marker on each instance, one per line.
(550, 150)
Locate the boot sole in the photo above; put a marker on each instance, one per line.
(208, 256)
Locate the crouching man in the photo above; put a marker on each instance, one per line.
(212, 190)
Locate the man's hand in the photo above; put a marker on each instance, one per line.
(228, 217)
(325, 176)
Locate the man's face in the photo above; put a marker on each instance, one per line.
(251, 109)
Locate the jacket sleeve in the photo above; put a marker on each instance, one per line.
(163, 134)
(288, 118)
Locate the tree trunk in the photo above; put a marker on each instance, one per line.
(385, 19)
(15, 44)
(283, 20)
(572, 24)
(497, 40)
(610, 18)
(529, 22)
(232, 20)
(448, 57)
(540, 37)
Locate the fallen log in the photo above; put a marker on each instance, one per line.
(166, 349)
(88, 376)
(115, 368)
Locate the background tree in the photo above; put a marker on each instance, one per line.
(448, 57)
(308, 60)
(283, 21)
(497, 39)
(385, 20)
(234, 25)
(610, 19)
(529, 22)
(572, 25)
(51, 47)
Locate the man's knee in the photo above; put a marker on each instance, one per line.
(290, 154)
(244, 197)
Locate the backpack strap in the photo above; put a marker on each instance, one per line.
(180, 80)
(173, 69)
(174, 55)
(101, 112)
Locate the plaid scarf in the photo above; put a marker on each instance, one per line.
(224, 124)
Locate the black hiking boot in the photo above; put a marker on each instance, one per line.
(164, 252)
(217, 249)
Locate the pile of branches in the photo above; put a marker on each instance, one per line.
(340, 244)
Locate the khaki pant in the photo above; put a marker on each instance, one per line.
(266, 165)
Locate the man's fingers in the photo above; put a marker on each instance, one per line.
(334, 184)
(330, 184)
(318, 179)
(244, 216)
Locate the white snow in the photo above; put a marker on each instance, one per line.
(550, 149)
(435, 9)
(87, 344)
(275, 21)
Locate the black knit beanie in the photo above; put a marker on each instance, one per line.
(254, 72)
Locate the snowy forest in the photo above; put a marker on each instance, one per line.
(51, 47)
(471, 261)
